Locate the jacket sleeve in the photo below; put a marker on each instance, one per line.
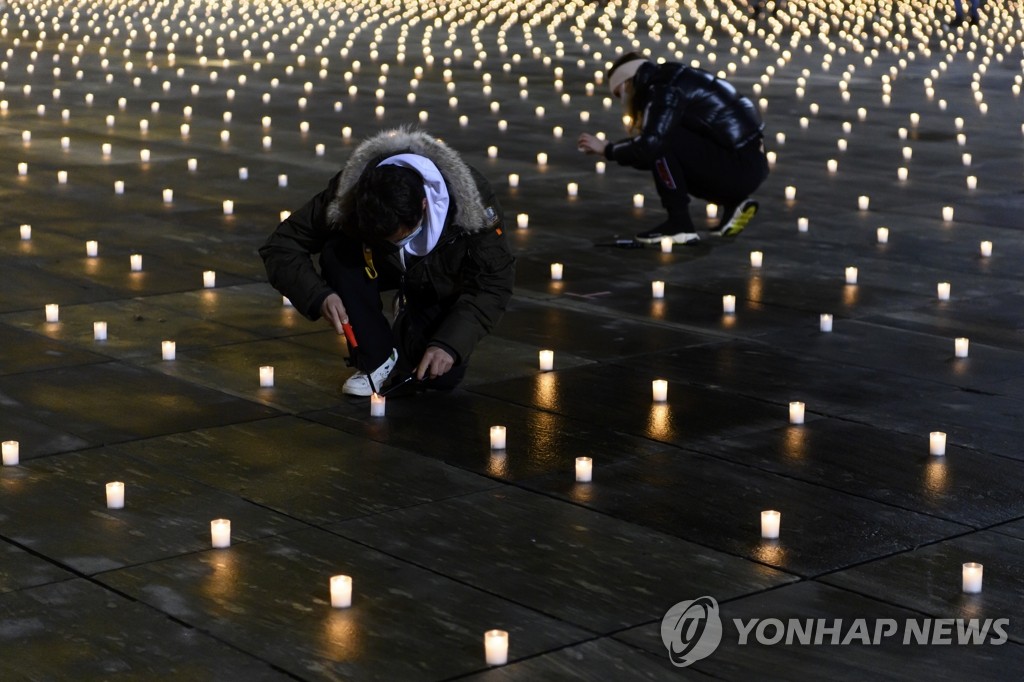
(287, 254)
(663, 112)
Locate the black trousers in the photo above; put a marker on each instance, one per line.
(694, 165)
(344, 269)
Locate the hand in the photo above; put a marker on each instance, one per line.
(436, 361)
(334, 312)
(590, 144)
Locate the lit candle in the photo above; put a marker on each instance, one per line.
(522, 220)
(341, 591)
(584, 469)
(99, 331)
(851, 275)
(546, 360)
(92, 248)
(115, 495)
(136, 262)
(10, 449)
(106, 148)
(228, 206)
(209, 279)
(947, 213)
(192, 164)
(542, 159)
(833, 165)
(638, 201)
(961, 345)
(802, 224)
(220, 533)
(883, 235)
(572, 189)
(26, 232)
(243, 173)
(902, 173)
(498, 437)
(972, 577)
(282, 180)
(863, 202)
(52, 312)
(825, 322)
(119, 187)
(492, 153)
(659, 390)
(496, 647)
(986, 249)
(62, 177)
(556, 271)
(796, 412)
(790, 193)
(266, 376)
(972, 182)
(729, 304)
(599, 167)
(657, 289)
(711, 210)
(942, 289)
(377, 405)
(168, 196)
(770, 521)
(756, 258)
(144, 155)
(937, 443)
(666, 244)
(168, 350)
(908, 153)
(513, 179)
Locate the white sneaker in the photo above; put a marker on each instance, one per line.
(359, 383)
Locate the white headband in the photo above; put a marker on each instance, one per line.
(624, 73)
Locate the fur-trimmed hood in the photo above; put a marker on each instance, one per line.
(470, 215)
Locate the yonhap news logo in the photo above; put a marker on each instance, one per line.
(692, 630)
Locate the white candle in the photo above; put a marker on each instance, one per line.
(556, 271)
(243, 173)
(729, 304)
(492, 153)
(770, 521)
(942, 288)
(972, 576)
(572, 189)
(192, 164)
(947, 213)
(220, 533)
(638, 201)
(10, 450)
(599, 167)
(52, 312)
(666, 244)
(790, 193)
(168, 196)
(908, 153)
(851, 275)
(136, 262)
(498, 437)
(756, 259)
(542, 159)
(168, 350)
(115, 495)
(99, 331)
(266, 376)
(863, 202)
(228, 206)
(711, 210)
(832, 165)
(937, 443)
(282, 180)
(522, 220)
(972, 182)
(26, 232)
(119, 187)
(92, 248)
(796, 412)
(546, 360)
(802, 224)
(496, 647)
(961, 346)
(513, 179)
(144, 155)
(106, 148)
(657, 289)
(825, 322)
(883, 235)
(377, 405)
(62, 177)
(584, 469)
(659, 390)
(341, 591)
(209, 279)
(902, 173)
(986, 249)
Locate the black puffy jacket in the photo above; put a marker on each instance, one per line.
(672, 94)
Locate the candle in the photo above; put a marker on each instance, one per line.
(341, 591)
(192, 164)
(833, 165)
(770, 521)
(937, 443)
(863, 202)
(9, 449)
(851, 275)
(657, 289)
(546, 359)
(942, 289)
(659, 390)
(542, 159)
(790, 193)
(825, 322)
(228, 206)
(220, 533)
(947, 213)
(584, 469)
(26, 232)
(168, 350)
(986, 249)
(115, 495)
(729, 304)
(62, 177)
(972, 577)
(243, 173)
(266, 376)
(756, 258)
(144, 155)
(666, 244)
(106, 148)
(902, 173)
(802, 224)
(209, 279)
(92, 248)
(498, 437)
(556, 271)
(377, 405)
(638, 201)
(168, 196)
(908, 153)
(282, 180)
(513, 179)
(492, 153)
(496, 647)
(522, 220)
(599, 167)
(572, 189)
(711, 210)
(136, 262)
(972, 182)
(796, 412)
(961, 345)
(99, 331)
(883, 235)
(52, 312)
(119, 187)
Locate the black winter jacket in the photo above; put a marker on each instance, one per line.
(470, 272)
(672, 94)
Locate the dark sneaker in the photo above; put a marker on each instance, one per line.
(735, 218)
(665, 230)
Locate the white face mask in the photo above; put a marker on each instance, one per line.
(405, 240)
